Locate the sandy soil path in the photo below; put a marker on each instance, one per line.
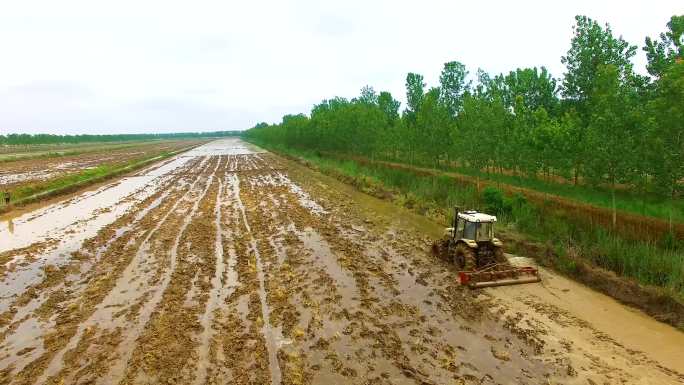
(229, 265)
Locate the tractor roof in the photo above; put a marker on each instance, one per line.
(474, 216)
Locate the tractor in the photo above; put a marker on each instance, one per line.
(471, 246)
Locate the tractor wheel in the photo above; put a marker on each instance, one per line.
(464, 257)
(499, 256)
(440, 248)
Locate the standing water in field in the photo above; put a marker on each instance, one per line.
(229, 265)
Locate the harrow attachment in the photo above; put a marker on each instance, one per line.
(498, 275)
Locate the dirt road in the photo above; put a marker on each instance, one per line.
(228, 265)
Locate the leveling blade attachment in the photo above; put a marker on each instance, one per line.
(489, 278)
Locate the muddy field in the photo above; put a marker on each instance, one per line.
(228, 265)
(20, 172)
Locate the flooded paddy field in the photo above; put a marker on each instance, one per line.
(229, 265)
(19, 167)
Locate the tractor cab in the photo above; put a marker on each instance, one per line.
(473, 228)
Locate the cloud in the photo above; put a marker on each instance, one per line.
(332, 25)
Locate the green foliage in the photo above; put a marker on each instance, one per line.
(666, 134)
(664, 53)
(414, 91)
(453, 85)
(593, 46)
(536, 88)
(611, 134)
(389, 106)
(495, 202)
(613, 131)
(17, 139)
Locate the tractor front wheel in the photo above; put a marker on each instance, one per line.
(499, 256)
(464, 257)
(440, 248)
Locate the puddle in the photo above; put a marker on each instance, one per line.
(324, 257)
(53, 220)
(24, 344)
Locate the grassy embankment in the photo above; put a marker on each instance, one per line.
(71, 182)
(645, 204)
(626, 200)
(575, 247)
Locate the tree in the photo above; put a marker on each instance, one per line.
(482, 132)
(389, 106)
(453, 85)
(414, 91)
(663, 54)
(368, 95)
(536, 87)
(592, 47)
(612, 134)
(433, 121)
(666, 136)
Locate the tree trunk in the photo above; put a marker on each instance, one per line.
(672, 201)
(613, 198)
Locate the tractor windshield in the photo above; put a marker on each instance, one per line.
(470, 230)
(485, 231)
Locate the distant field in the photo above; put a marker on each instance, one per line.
(26, 170)
(10, 153)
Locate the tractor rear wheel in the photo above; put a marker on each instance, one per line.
(464, 257)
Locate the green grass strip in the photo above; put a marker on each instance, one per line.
(68, 183)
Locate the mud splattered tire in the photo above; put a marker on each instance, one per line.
(440, 248)
(464, 257)
(499, 256)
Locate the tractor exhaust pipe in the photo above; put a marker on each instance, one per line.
(455, 222)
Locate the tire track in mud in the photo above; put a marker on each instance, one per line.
(267, 330)
(243, 346)
(366, 312)
(165, 330)
(238, 353)
(85, 279)
(231, 273)
(144, 270)
(553, 351)
(216, 295)
(68, 318)
(328, 306)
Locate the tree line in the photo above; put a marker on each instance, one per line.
(600, 124)
(23, 139)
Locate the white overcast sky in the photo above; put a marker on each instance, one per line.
(161, 66)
